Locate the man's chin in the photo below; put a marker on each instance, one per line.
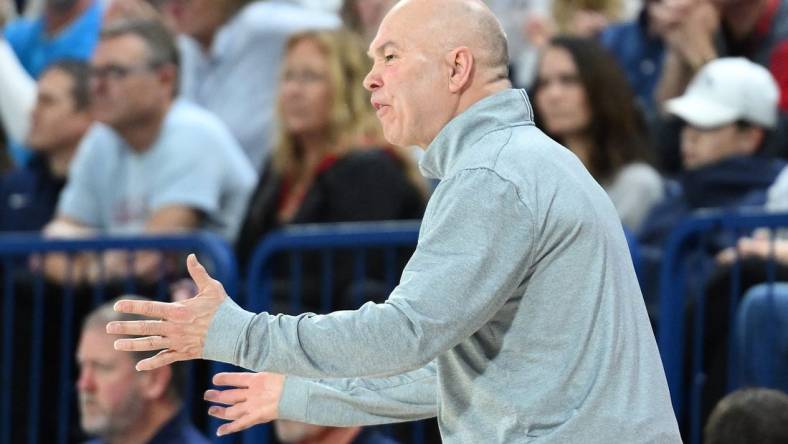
(394, 139)
(94, 426)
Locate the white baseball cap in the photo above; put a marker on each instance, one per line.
(727, 90)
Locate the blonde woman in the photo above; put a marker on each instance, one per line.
(329, 164)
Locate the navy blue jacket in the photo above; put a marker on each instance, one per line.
(729, 184)
(28, 197)
(179, 430)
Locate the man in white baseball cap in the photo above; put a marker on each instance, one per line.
(728, 108)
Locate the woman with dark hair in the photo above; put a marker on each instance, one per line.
(583, 100)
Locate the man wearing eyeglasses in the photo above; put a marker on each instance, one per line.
(151, 164)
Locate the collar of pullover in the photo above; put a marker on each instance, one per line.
(504, 109)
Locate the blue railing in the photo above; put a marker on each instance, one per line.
(15, 251)
(688, 246)
(289, 248)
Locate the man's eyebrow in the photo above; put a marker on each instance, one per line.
(380, 49)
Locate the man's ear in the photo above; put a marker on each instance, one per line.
(168, 75)
(749, 140)
(461, 65)
(156, 382)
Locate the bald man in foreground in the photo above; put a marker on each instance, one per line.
(518, 318)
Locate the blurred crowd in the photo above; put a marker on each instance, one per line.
(241, 117)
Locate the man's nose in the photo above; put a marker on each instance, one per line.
(372, 80)
(85, 381)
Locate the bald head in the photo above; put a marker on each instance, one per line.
(443, 25)
(432, 60)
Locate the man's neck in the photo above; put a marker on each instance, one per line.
(742, 17)
(315, 147)
(488, 89)
(334, 435)
(206, 40)
(60, 159)
(153, 418)
(468, 99)
(55, 20)
(141, 135)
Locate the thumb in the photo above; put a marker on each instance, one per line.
(201, 277)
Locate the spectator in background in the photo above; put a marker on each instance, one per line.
(583, 101)
(749, 416)
(67, 29)
(728, 110)
(231, 53)
(700, 30)
(330, 163)
(150, 164)
(291, 432)
(118, 404)
(60, 119)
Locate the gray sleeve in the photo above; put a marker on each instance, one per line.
(358, 402)
(473, 252)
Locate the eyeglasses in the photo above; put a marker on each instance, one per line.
(118, 72)
(305, 76)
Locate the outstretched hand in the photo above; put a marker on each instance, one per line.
(252, 399)
(181, 327)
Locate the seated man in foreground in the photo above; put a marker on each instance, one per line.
(118, 404)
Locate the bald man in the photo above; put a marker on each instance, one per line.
(519, 317)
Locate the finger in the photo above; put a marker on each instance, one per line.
(238, 425)
(138, 328)
(227, 413)
(149, 343)
(226, 397)
(164, 357)
(151, 309)
(201, 277)
(236, 379)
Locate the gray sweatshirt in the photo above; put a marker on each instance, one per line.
(518, 318)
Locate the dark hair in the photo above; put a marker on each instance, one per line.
(101, 315)
(79, 72)
(618, 129)
(754, 415)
